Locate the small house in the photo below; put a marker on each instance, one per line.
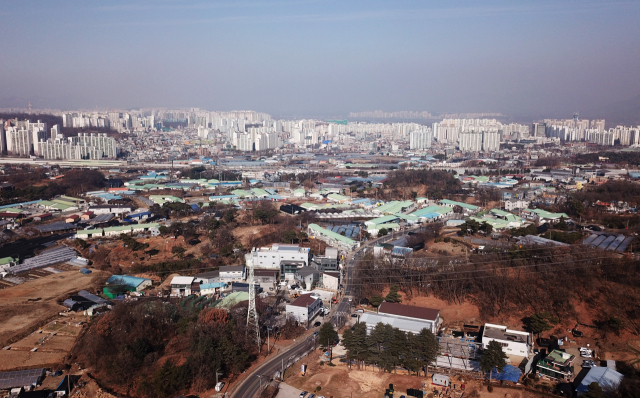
(557, 365)
(181, 285)
(72, 219)
(42, 217)
(87, 216)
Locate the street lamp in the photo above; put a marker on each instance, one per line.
(260, 378)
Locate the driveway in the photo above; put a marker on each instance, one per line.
(287, 391)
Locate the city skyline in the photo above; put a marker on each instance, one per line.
(314, 59)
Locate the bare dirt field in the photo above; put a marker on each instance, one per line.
(340, 382)
(25, 307)
(453, 314)
(53, 343)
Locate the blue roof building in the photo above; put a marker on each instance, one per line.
(134, 283)
(607, 378)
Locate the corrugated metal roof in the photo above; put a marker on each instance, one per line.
(411, 311)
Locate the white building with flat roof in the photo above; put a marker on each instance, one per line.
(271, 257)
(513, 342)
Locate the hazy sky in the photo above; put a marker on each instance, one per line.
(311, 58)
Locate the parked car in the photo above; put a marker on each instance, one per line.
(354, 315)
(588, 364)
(303, 394)
(586, 352)
(312, 395)
(318, 323)
(219, 386)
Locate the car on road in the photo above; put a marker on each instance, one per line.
(219, 386)
(315, 333)
(588, 364)
(318, 323)
(354, 315)
(312, 395)
(303, 394)
(350, 299)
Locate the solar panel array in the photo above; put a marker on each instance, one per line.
(349, 230)
(57, 226)
(60, 254)
(100, 218)
(20, 378)
(618, 243)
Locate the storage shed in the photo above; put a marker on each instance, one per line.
(441, 380)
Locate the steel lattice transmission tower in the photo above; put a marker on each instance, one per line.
(252, 314)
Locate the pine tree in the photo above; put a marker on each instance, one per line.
(393, 296)
(327, 335)
(493, 357)
(428, 348)
(538, 323)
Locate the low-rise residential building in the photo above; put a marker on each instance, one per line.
(513, 342)
(331, 280)
(557, 365)
(208, 277)
(212, 288)
(510, 205)
(304, 309)
(181, 285)
(232, 273)
(308, 277)
(328, 262)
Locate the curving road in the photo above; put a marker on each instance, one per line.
(250, 386)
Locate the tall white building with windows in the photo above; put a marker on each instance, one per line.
(471, 141)
(490, 141)
(420, 139)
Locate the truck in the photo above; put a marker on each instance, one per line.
(303, 370)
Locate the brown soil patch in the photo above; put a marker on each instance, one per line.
(19, 316)
(246, 234)
(453, 314)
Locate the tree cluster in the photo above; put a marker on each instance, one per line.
(438, 183)
(389, 348)
(544, 279)
(124, 348)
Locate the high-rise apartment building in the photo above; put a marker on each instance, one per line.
(420, 139)
(471, 141)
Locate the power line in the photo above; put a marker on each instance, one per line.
(487, 276)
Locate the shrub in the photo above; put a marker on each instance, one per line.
(447, 240)
(490, 388)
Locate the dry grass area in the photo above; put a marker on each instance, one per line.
(25, 307)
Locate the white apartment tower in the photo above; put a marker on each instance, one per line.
(420, 139)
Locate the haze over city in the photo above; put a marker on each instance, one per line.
(313, 59)
(312, 199)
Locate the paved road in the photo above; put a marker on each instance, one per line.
(251, 384)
